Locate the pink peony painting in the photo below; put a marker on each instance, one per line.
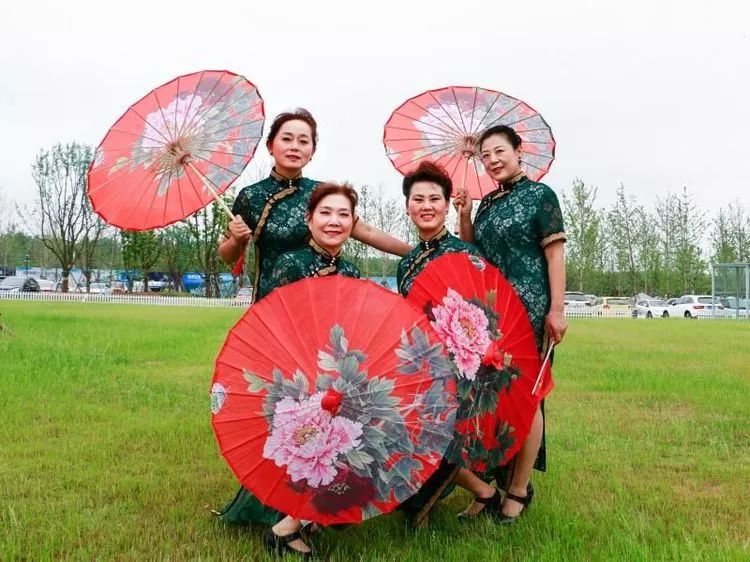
(464, 328)
(308, 439)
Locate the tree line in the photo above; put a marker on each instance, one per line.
(664, 248)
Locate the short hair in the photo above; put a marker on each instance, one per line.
(504, 131)
(325, 189)
(298, 114)
(428, 171)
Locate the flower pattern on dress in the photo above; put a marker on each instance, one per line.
(308, 439)
(509, 230)
(464, 328)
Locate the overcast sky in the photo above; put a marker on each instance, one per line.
(654, 94)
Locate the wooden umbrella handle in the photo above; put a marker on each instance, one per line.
(211, 190)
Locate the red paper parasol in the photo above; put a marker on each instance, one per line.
(333, 400)
(444, 125)
(175, 150)
(489, 337)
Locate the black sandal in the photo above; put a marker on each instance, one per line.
(525, 501)
(491, 507)
(279, 545)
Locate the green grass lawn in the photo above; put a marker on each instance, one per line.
(106, 448)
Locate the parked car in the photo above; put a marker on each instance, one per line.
(734, 307)
(697, 306)
(575, 298)
(650, 309)
(607, 305)
(46, 286)
(19, 284)
(244, 294)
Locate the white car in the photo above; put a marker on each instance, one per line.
(697, 306)
(576, 299)
(651, 308)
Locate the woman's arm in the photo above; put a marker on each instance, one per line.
(555, 322)
(462, 203)
(368, 234)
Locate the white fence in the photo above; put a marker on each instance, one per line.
(194, 301)
(126, 299)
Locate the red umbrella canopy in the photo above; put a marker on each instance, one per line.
(489, 337)
(444, 125)
(333, 400)
(176, 149)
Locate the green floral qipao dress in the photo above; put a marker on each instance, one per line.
(512, 227)
(440, 483)
(426, 251)
(309, 261)
(274, 209)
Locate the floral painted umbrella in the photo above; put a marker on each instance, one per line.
(333, 400)
(175, 150)
(489, 337)
(443, 126)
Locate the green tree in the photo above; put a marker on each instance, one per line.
(623, 231)
(723, 249)
(585, 239)
(206, 228)
(60, 177)
(140, 251)
(177, 251)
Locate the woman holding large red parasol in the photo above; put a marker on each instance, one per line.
(485, 329)
(519, 228)
(350, 403)
(271, 213)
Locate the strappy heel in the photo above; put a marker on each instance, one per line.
(491, 507)
(279, 544)
(525, 501)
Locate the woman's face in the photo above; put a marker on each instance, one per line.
(427, 207)
(500, 159)
(292, 147)
(331, 222)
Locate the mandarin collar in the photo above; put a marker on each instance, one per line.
(283, 179)
(323, 253)
(433, 242)
(512, 183)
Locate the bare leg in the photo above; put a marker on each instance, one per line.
(467, 480)
(287, 526)
(524, 463)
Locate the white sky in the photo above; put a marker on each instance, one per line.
(654, 94)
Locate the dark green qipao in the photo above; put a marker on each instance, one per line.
(512, 227)
(274, 209)
(426, 251)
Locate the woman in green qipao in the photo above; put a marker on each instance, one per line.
(427, 191)
(272, 214)
(519, 228)
(330, 218)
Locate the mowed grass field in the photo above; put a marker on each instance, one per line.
(107, 453)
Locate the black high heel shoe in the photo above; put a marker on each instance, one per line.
(525, 501)
(279, 545)
(491, 507)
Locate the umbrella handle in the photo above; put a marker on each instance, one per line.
(541, 369)
(462, 189)
(211, 190)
